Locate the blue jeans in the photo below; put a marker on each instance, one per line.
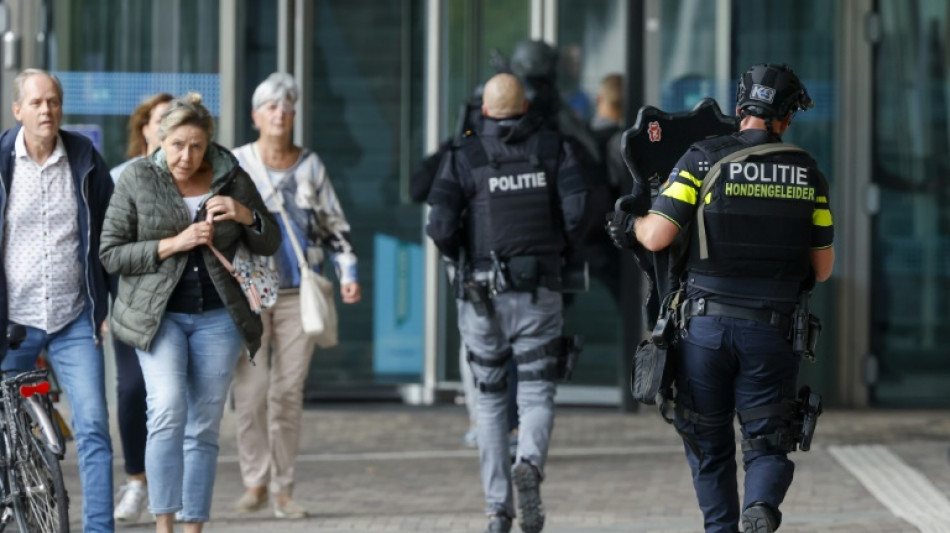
(726, 365)
(79, 365)
(187, 375)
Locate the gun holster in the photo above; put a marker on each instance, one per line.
(806, 328)
(809, 409)
(479, 295)
(571, 348)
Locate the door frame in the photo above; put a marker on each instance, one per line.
(852, 192)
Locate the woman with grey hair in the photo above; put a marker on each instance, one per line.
(178, 305)
(268, 397)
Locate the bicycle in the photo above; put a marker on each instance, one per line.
(31, 447)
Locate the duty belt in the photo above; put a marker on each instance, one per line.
(704, 307)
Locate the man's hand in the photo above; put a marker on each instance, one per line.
(620, 228)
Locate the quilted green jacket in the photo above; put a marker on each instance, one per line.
(146, 208)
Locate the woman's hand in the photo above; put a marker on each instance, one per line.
(226, 208)
(195, 235)
(350, 292)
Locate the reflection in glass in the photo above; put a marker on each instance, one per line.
(911, 232)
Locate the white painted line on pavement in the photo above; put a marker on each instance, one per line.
(904, 491)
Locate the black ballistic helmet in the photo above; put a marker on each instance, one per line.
(534, 59)
(771, 91)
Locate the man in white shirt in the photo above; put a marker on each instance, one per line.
(55, 191)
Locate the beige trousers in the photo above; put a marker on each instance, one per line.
(268, 398)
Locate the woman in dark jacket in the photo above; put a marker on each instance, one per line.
(178, 305)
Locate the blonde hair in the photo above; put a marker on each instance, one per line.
(186, 110)
(611, 91)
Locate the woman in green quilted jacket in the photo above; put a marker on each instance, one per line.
(178, 305)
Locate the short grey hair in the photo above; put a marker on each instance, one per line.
(278, 87)
(186, 110)
(29, 73)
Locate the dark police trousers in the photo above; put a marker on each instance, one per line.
(723, 365)
(517, 326)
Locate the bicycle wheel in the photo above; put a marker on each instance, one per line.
(43, 503)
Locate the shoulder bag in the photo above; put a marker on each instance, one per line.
(318, 314)
(254, 274)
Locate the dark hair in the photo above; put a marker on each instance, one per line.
(138, 119)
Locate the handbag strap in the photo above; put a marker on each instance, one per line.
(256, 166)
(224, 260)
(298, 249)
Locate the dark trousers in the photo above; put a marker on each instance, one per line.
(130, 394)
(726, 365)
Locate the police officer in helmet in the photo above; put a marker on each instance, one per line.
(768, 236)
(506, 205)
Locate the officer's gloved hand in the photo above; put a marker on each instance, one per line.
(620, 229)
(641, 198)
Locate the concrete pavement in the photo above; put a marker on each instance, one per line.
(395, 468)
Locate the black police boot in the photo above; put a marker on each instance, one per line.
(498, 523)
(759, 518)
(527, 480)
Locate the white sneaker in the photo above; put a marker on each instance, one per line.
(133, 498)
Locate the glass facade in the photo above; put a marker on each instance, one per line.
(365, 121)
(111, 54)
(364, 114)
(591, 42)
(911, 228)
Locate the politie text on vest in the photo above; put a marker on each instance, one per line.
(769, 173)
(528, 180)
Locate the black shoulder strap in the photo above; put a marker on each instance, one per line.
(475, 152)
(713, 175)
(549, 147)
(718, 147)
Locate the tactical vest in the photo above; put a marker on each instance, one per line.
(758, 223)
(515, 210)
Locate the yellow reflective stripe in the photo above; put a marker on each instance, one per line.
(821, 200)
(675, 223)
(821, 217)
(708, 198)
(684, 174)
(681, 192)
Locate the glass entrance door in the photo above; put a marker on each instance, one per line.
(911, 229)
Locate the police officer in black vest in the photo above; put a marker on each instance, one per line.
(768, 236)
(506, 205)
